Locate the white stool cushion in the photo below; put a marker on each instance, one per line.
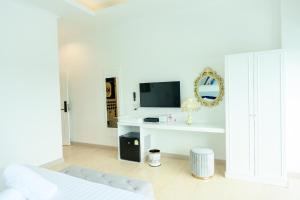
(200, 150)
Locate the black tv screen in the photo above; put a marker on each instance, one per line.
(161, 94)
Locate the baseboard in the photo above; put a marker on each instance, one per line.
(175, 156)
(220, 162)
(52, 163)
(294, 175)
(167, 155)
(94, 145)
(185, 157)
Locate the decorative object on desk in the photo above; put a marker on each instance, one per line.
(154, 158)
(190, 105)
(171, 118)
(209, 88)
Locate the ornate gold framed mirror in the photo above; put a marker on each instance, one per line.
(209, 88)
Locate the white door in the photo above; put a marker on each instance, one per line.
(269, 70)
(239, 115)
(64, 102)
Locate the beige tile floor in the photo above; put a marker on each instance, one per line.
(172, 181)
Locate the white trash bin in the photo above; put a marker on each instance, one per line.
(154, 158)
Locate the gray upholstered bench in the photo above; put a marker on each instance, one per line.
(120, 182)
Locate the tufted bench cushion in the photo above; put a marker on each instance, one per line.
(121, 182)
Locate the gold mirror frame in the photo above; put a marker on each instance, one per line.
(209, 72)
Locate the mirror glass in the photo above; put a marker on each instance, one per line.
(209, 88)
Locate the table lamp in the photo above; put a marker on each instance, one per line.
(190, 105)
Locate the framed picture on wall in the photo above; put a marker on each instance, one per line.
(111, 102)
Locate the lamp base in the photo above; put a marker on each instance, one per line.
(189, 119)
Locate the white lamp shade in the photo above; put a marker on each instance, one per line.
(190, 105)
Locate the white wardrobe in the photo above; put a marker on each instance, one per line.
(255, 117)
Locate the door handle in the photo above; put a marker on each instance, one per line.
(65, 109)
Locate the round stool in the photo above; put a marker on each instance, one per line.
(202, 162)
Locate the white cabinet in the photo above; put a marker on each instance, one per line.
(254, 116)
(239, 112)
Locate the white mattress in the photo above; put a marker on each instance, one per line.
(72, 188)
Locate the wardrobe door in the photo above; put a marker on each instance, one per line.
(269, 73)
(239, 112)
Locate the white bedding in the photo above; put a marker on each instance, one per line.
(72, 188)
(32, 185)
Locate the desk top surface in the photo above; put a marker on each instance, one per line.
(179, 126)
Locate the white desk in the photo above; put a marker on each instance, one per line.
(178, 126)
(125, 126)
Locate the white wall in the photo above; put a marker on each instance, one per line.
(30, 130)
(164, 41)
(290, 24)
(293, 110)
(84, 91)
(79, 57)
(291, 42)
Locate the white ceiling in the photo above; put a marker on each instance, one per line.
(64, 9)
(73, 21)
(72, 15)
(93, 6)
(127, 12)
(98, 1)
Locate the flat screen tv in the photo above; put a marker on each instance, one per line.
(161, 94)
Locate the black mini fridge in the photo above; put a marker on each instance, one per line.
(130, 147)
